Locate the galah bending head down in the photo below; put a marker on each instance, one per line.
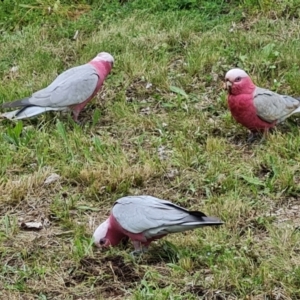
(146, 218)
(256, 108)
(71, 90)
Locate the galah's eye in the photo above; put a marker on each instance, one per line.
(238, 79)
(102, 242)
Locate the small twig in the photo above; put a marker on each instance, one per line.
(112, 270)
(75, 35)
(63, 233)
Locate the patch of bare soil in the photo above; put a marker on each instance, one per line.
(139, 89)
(287, 215)
(111, 273)
(205, 294)
(276, 294)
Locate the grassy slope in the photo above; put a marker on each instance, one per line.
(139, 140)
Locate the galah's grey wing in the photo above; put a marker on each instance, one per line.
(70, 88)
(137, 214)
(272, 107)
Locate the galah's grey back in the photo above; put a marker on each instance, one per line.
(72, 87)
(154, 216)
(272, 107)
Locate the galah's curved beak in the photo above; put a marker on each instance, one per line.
(227, 85)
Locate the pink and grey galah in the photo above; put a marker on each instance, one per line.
(144, 219)
(256, 108)
(71, 90)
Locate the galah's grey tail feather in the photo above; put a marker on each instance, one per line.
(17, 103)
(22, 110)
(197, 213)
(199, 219)
(27, 112)
(187, 223)
(296, 110)
(211, 221)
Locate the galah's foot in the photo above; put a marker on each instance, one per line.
(253, 136)
(136, 253)
(139, 252)
(138, 249)
(77, 122)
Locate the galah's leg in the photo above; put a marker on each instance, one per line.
(138, 248)
(75, 116)
(137, 245)
(267, 132)
(264, 136)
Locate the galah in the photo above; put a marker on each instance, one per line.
(144, 219)
(256, 108)
(71, 90)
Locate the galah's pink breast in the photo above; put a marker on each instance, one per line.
(103, 69)
(133, 236)
(244, 112)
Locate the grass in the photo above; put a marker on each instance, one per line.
(160, 126)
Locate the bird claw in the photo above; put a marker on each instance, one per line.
(138, 252)
(79, 123)
(253, 136)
